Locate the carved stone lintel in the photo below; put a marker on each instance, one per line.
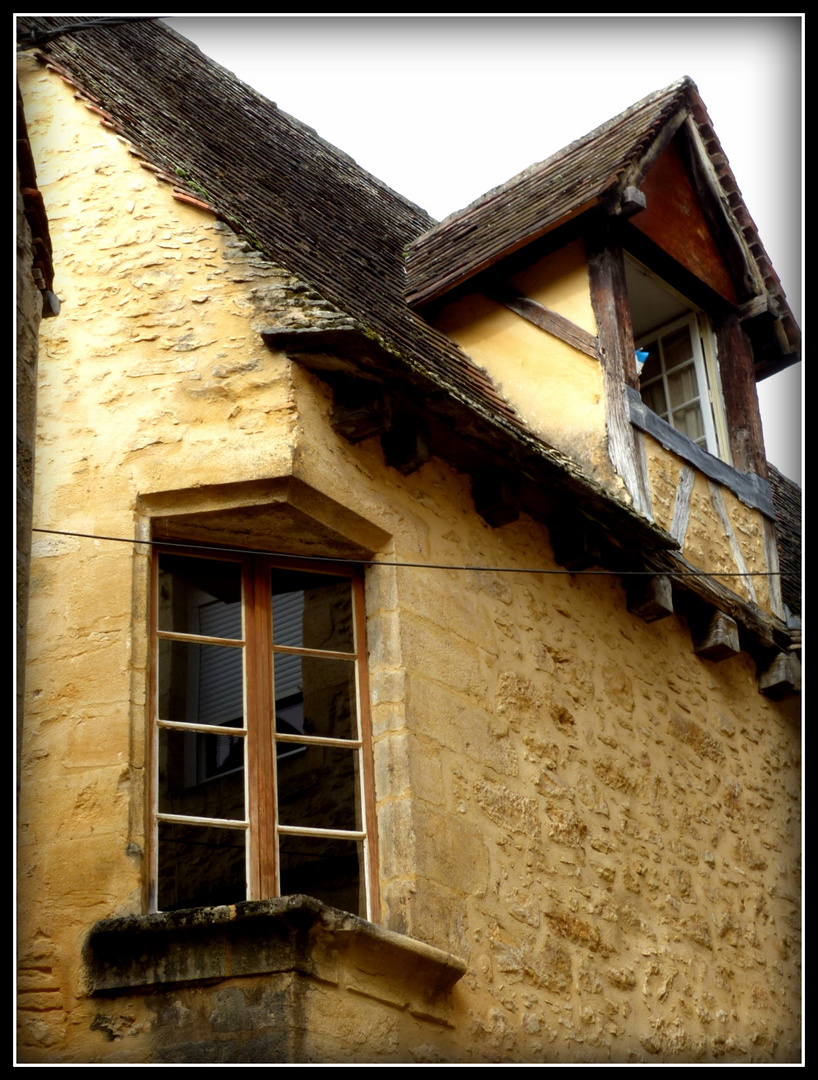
(720, 640)
(650, 598)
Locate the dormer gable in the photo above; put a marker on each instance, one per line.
(658, 167)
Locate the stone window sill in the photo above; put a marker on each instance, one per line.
(290, 934)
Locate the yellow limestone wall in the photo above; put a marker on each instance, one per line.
(603, 826)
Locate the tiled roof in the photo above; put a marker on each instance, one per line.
(309, 207)
(300, 200)
(536, 200)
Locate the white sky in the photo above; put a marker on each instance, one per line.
(444, 108)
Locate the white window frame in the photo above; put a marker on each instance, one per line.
(705, 356)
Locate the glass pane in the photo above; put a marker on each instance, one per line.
(312, 611)
(329, 870)
(689, 422)
(683, 387)
(199, 596)
(200, 684)
(654, 397)
(201, 775)
(200, 866)
(676, 348)
(318, 787)
(315, 696)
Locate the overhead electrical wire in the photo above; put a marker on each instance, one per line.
(225, 549)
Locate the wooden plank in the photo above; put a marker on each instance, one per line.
(545, 319)
(609, 299)
(744, 272)
(642, 459)
(675, 221)
(681, 505)
(720, 639)
(717, 501)
(770, 542)
(762, 630)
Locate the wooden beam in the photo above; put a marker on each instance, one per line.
(720, 639)
(545, 319)
(361, 409)
(575, 546)
(497, 496)
(681, 505)
(406, 444)
(718, 504)
(782, 677)
(738, 383)
(609, 299)
(650, 598)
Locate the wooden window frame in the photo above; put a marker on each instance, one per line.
(261, 806)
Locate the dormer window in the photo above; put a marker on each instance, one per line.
(680, 378)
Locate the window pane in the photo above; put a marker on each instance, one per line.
(201, 775)
(689, 422)
(330, 870)
(200, 684)
(683, 387)
(315, 696)
(312, 611)
(318, 788)
(200, 866)
(654, 397)
(676, 348)
(199, 596)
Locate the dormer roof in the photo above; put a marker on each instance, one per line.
(606, 171)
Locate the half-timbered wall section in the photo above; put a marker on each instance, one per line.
(378, 709)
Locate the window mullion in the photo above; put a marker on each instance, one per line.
(260, 725)
(367, 772)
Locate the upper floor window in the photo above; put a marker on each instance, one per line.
(680, 379)
(261, 757)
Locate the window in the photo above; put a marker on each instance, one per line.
(261, 758)
(680, 380)
(675, 384)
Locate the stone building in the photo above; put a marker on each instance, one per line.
(409, 678)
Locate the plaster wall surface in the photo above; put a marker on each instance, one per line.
(555, 388)
(603, 826)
